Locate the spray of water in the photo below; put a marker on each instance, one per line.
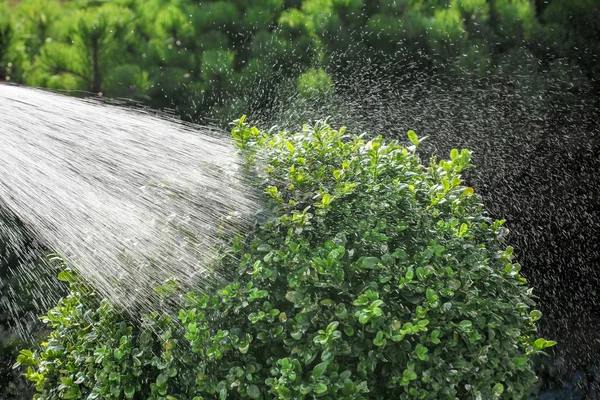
(535, 145)
(129, 199)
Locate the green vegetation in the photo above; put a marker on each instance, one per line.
(374, 277)
(211, 60)
(215, 59)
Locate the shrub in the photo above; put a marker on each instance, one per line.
(374, 276)
(5, 38)
(315, 83)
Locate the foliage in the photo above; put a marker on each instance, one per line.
(90, 344)
(315, 83)
(373, 277)
(6, 29)
(175, 54)
(572, 30)
(195, 57)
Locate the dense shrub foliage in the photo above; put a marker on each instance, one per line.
(373, 277)
(196, 56)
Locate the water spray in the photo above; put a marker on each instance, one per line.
(130, 200)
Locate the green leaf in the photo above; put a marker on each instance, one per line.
(272, 191)
(498, 389)
(244, 348)
(349, 330)
(253, 392)
(520, 361)
(421, 352)
(370, 262)
(429, 293)
(320, 388)
(296, 335)
(71, 394)
(454, 154)
(423, 323)
(363, 317)
(332, 327)
(412, 136)
(319, 370)
(289, 146)
(465, 325)
(264, 248)
(65, 276)
(435, 334)
(162, 379)
(410, 374)
(542, 343)
(535, 315)
(129, 391)
(293, 296)
(326, 199)
(397, 337)
(379, 339)
(463, 229)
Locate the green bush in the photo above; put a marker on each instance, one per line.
(315, 83)
(374, 277)
(5, 39)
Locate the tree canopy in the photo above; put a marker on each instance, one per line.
(219, 58)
